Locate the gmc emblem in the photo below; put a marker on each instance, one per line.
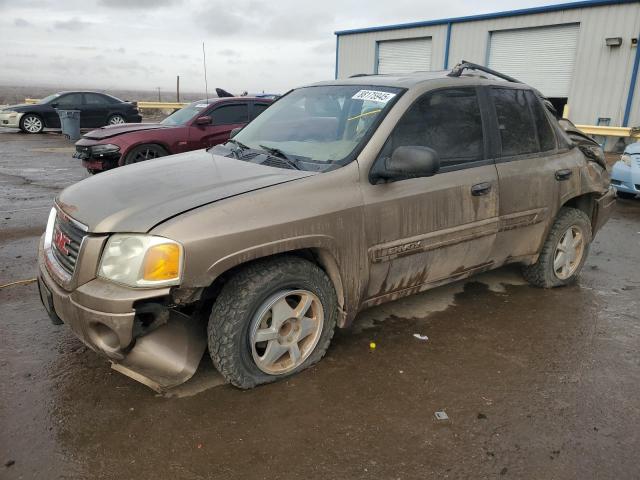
(61, 241)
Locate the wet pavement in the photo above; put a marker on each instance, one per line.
(537, 384)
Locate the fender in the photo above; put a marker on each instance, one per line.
(324, 249)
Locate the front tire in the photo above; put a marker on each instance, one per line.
(272, 319)
(564, 251)
(142, 153)
(31, 123)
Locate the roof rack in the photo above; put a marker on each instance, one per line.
(464, 65)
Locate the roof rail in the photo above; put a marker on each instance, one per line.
(464, 65)
(355, 75)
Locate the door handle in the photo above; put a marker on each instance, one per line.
(480, 189)
(564, 174)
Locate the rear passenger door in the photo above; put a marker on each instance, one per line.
(536, 170)
(424, 231)
(94, 110)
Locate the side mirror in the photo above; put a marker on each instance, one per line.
(54, 105)
(408, 162)
(234, 132)
(203, 121)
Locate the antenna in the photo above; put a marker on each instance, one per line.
(204, 61)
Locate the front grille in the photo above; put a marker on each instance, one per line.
(66, 242)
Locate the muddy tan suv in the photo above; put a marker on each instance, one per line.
(340, 196)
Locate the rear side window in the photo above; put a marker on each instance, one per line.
(448, 121)
(258, 108)
(515, 122)
(95, 99)
(230, 114)
(545, 133)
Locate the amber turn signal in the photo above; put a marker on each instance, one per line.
(162, 262)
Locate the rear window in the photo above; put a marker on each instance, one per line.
(515, 122)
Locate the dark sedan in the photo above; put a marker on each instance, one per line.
(96, 110)
(201, 124)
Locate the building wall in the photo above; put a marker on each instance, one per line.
(601, 76)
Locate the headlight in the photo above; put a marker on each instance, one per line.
(626, 159)
(48, 233)
(107, 148)
(11, 113)
(141, 261)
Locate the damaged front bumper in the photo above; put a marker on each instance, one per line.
(96, 161)
(157, 346)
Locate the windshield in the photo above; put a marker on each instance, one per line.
(185, 114)
(321, 124)
(49, 98)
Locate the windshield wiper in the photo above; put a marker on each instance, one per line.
(241, 147)
(276, 152)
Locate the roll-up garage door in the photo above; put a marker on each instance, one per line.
(404, 56)
(543, 57)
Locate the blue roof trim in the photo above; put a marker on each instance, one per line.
(488, 16)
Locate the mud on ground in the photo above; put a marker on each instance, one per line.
(537, 384)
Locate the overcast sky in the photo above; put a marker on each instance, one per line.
(252, 45)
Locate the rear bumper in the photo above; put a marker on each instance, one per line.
(161, 358)
(135, 118)
(604, 208)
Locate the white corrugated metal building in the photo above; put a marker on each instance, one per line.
(584, 54)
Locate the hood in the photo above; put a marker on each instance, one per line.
(137, 197)
(17, 108)
(113, 130)
(633, 148)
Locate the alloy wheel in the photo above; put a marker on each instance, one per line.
(146, 154)
(286, 330)
(32, 124)
(116, 120)
(569, 252)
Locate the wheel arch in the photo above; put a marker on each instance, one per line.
(585, 202)
(129, 148)
(37, 114)
(317, 249)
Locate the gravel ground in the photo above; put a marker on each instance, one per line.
(540, 384)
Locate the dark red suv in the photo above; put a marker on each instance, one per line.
(201, 124)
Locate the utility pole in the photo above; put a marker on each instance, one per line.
(178, 88)
(159, 99)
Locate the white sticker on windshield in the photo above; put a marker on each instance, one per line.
(373, 96)
(201, 105)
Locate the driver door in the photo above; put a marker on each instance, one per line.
(425, 231)
(224, 118)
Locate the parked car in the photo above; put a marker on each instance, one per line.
(625, 175)
(97, 109)
(200, 124)
(340, 196)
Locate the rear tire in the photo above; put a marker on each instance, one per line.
(142, 153)
(31, 123)
(625, 195)
(564, 252)
(116, 119)
(259, 330)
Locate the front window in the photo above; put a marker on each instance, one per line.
(185, 114)
(319, 124)
(48, 99)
